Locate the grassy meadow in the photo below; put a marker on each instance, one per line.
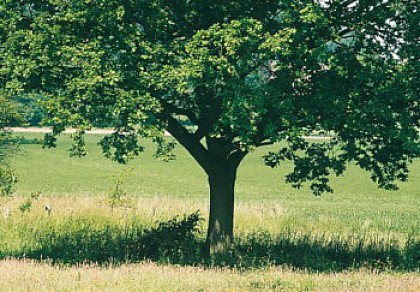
(67, 223)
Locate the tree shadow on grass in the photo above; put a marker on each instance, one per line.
(21, 140)
(178, 241)
(328, 254)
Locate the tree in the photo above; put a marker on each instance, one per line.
(224, 78)
(8, 146)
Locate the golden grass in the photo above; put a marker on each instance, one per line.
(26, 275)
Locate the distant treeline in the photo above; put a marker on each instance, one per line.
(29, 109)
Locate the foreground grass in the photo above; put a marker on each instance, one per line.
(33, 276)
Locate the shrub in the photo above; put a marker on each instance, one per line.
(100, 240)
(174, 240)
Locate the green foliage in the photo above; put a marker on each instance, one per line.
(27, 204)
(8, 145)
(29, 110)
(9, 114)
(241, 78)
(7, 181)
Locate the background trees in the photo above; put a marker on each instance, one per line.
(224, 78)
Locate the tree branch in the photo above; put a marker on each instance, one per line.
(345, 31)
(236, 157)
(170, 108)
(346, 3)
(205, 124)
(188, 140)
(264, 143)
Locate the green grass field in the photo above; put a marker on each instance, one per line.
(297, 241)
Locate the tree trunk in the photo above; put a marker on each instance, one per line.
(220, 159)
(222, 189)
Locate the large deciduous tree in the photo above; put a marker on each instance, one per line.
(225, 77)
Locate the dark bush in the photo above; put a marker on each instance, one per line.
(81, 240)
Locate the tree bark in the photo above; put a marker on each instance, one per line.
(222, 191)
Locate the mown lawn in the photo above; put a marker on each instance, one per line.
(285, 238)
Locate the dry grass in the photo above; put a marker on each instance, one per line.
(32, 276)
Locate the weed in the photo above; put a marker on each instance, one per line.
(26, 205)
(117, 195)
(7, 180)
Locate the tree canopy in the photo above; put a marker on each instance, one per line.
(225, 77)
(8, 115)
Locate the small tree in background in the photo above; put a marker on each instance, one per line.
(225, 77)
